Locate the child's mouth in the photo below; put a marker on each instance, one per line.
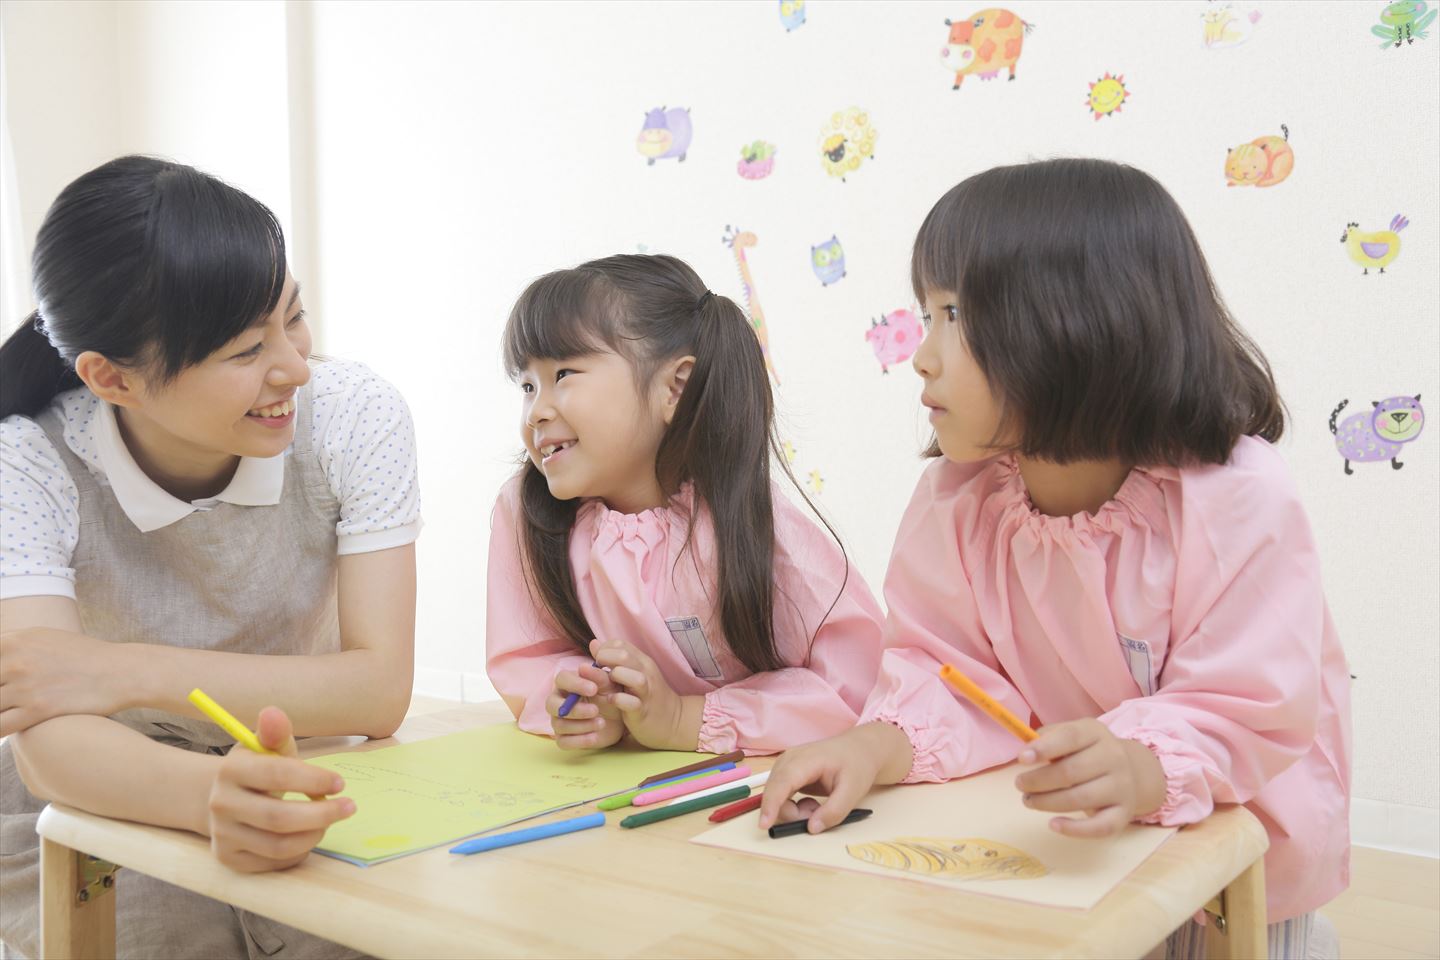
(550, 451)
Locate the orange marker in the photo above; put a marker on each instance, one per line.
(985, 702)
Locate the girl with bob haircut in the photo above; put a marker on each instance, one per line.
(643, 559)
(189, 501)
(1108, 544)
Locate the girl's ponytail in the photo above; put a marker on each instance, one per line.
(32, 371)
(721, 440)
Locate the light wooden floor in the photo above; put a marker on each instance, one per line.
(1392, 909)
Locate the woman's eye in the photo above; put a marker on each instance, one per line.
(295, 320)
(251, 353)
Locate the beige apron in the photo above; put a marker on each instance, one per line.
(258, 580)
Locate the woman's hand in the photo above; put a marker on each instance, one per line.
(47, 673)
(252, 829)
(655, 715)
(843, 768)
(594, 721)
(1087, 768)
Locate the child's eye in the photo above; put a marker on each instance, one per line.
(925, 319)
(950, 312)
(563, 372)
(527, 387)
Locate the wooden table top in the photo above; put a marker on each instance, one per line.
(651, 893)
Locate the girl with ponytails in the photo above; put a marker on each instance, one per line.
(643, 559)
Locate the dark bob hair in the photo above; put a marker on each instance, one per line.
(152, 264)
(1084, 298)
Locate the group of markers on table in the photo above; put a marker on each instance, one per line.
(718, 782)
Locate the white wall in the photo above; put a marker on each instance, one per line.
(459, 150)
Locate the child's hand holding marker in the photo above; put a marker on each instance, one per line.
(843, 768)
(1087, 768)
(656, 716)
(252, 828)
(591, 719)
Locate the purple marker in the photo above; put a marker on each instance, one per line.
(573, 698)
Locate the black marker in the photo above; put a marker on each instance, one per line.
(797, 827)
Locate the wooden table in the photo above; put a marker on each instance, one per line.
(646, 893)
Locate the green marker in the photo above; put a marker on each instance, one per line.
(689, 806)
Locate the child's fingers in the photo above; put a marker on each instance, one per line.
(582, 710)
(583, 741)
(571, 726)
(793, 772)
(1059, 740)
(568, 681)
(634, 681)
(626, 702)
(1103, 823)
(845, 796)
(595, 675)
(1069, 771)
(1096, 794)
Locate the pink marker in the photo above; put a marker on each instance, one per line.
(688, 786)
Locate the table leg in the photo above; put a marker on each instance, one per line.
(77, 910)
(1244, 936)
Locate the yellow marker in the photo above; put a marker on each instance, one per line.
(989, 704)
(226, 722)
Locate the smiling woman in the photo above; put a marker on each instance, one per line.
(189, 500)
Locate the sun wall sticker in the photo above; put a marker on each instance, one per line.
(895, 337)
(1107, 95)
(1403, 22)
(1227, 26)
(1374, 248)
(846, 141)
(1263, 162)
(1377, 434)
(666, 133)
(983, 44)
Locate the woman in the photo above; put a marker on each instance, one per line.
(189, 501)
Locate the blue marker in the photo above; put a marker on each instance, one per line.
(572, 699)
(481, 844)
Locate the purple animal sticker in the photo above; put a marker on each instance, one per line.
(895, 337)
(666, 133)
(1377, 434)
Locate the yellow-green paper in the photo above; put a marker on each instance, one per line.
(419, 795)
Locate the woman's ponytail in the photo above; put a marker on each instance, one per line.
(32, 371)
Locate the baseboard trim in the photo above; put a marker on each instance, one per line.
(1397, 827)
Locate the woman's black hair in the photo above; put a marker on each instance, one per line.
(152, 264)
(1084, 298)
(652, 309)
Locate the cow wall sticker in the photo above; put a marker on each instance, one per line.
(983, 44)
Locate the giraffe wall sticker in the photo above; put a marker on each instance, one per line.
(738, 240)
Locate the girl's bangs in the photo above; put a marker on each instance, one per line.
(568, 313)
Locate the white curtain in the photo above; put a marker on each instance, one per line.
(14, 250)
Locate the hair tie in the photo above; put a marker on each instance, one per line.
(704, 299)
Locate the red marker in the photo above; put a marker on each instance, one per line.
(735, 809)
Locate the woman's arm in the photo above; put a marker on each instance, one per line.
(50, 669)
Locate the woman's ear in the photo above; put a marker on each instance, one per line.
(673, 378)
(108, 380)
